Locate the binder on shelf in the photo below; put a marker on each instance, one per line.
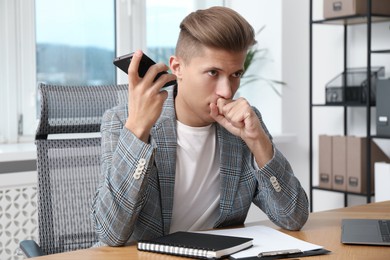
(383, 108)
(339, 162)
(382, 180)
(357, 163)
(196, 245)
(325, 161)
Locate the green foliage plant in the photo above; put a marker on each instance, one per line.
(253, 54)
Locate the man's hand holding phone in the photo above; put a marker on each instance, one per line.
(146, 98)
(123, 63)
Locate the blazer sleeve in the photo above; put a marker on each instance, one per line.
(126, 160)
(280, 194)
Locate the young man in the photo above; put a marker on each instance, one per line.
(190, 157)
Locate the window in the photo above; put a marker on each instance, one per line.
(75, 41)
(76, 45)
(54, 41)
(153, 26)
(162, 23)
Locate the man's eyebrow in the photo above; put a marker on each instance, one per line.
(212, 68)
(219, 69)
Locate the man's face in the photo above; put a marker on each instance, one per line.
(206, 77)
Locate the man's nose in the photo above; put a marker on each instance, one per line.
(224, 88)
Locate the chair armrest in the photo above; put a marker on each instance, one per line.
(30, 248)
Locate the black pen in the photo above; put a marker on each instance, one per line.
(280, 253)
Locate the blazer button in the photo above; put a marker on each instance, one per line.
(275, 183)
(137, 175)
(142, 161)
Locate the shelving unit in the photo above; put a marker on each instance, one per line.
(345, 22)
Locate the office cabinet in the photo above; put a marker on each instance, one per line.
(368, 19)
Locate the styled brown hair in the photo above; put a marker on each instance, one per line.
(216, 27)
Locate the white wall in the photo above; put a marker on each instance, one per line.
(295, 67)
(261, 13)
(287, 26)
(266, 13)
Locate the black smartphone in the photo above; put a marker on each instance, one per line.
(123, 63)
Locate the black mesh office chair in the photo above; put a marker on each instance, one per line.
(68, 167)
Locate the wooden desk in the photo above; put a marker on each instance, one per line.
(323, 228)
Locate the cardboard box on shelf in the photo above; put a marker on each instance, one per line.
(357, 163)
(339, 8)
(325, 161)
(339, 162)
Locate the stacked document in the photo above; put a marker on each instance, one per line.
(270, 242)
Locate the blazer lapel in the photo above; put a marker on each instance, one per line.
(165, 136)
(230, 169)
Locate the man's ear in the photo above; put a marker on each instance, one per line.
(175, 64)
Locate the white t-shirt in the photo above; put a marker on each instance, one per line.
(197, 181)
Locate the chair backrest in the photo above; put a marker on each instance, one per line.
(69, 166)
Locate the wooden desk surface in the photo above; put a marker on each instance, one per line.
(323, 228)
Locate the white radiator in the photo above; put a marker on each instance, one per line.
(18, 212)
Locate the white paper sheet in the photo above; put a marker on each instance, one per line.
(265, 239)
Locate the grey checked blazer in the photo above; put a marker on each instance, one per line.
(135, 197)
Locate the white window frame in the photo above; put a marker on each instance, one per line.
(130, 29)
(17, 67)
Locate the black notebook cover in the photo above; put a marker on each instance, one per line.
(198, 245)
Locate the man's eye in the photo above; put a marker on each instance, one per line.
(213, 73)
(238, 74)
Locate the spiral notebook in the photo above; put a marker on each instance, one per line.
(196, 245)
